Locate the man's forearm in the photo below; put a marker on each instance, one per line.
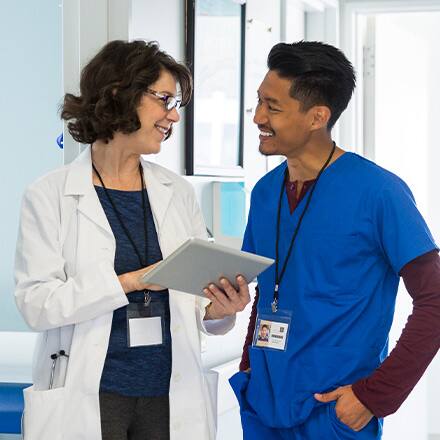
(245, 364)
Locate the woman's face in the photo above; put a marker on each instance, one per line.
(155, 119)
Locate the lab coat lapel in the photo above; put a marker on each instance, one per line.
(79, 183)
(160, 192)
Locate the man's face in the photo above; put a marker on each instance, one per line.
(284, 128)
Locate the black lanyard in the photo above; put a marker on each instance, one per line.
(279, 275)
(142, 262)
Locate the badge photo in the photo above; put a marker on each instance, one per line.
(272, 330)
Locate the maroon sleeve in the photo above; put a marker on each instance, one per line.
(386, 389)
(245, 364)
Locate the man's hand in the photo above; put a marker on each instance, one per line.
(227, 301)
(349, 410)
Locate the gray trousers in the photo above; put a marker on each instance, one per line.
(134, 418)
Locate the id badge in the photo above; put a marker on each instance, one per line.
(272, 329)
(145, 324)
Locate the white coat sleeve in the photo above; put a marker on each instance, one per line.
(213, 326)
(45, 296)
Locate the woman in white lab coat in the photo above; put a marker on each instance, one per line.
(87, 232)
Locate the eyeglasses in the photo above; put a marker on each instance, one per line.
(169, 102)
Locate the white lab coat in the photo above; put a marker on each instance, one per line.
(66, 288)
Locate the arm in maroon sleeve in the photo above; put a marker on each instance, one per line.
(245, 364)
(386, 389)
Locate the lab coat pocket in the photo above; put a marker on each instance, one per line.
(43, 416)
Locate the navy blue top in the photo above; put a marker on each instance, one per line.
(137, 371)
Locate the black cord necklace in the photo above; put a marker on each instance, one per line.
(142, 262)
(279, 275)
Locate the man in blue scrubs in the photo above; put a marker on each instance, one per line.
(342, 231)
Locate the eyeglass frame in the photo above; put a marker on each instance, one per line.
(170, 102)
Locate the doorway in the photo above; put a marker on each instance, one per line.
(393, 121)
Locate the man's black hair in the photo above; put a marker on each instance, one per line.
(320, 74)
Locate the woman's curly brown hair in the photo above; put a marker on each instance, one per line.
(112, 85)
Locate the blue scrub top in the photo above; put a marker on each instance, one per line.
(361, 228)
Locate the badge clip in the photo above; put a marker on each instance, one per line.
(274, 303)
(147, 298)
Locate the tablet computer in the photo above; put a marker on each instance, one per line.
(197, 263)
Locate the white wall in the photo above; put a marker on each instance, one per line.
(293, 26)
(407, 114)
